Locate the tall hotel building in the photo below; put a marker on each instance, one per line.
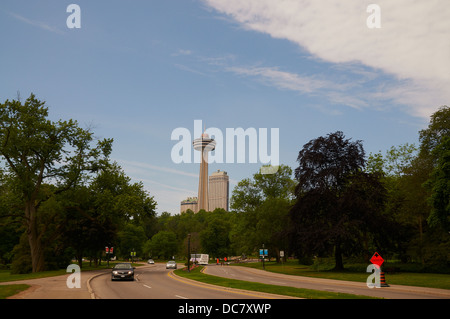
(218, 194)
(218, 190)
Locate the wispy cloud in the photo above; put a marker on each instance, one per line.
(157, 168)
(35, 23)
(303, 84)
(182, 52)
(412, 45)
(188, 69)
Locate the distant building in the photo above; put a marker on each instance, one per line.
(189, 203)
(218, 190)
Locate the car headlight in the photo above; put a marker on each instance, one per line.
(130, 272)
(115, 272)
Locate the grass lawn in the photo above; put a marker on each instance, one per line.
(10, 290)
(399, 278)
(195, 274)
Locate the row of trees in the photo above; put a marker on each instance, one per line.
(340, 202)
(62, 197)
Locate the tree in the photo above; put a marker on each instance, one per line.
(338, 206)
(131, 238)
(36, 150)
(111, 205)
(262, 205)
(439, 184)
(215, 238)
(438, 128)
(163, 244)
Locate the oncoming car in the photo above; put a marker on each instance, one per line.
(122, 271)
(171, 264)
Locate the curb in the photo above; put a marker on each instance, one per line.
(88, 283)
(264, 295)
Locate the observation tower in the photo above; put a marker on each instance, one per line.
(203, 144)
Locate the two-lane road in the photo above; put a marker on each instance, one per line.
(331, 285)
(157, 282)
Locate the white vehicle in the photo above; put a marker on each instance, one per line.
(201, 259)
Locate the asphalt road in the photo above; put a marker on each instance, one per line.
(357, 288)
(157, 282)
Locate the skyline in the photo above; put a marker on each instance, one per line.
(137, 71)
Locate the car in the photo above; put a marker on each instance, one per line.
(122, 271)
(171, 264)
(151, 262)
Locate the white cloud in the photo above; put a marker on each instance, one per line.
(39, 24)
(413, 43)
(302, 84)
(282, 79)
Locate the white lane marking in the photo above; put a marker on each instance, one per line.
(181, 297)
(147, 286)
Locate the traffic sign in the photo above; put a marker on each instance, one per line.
(377, 259)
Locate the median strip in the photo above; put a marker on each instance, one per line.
(276, 292)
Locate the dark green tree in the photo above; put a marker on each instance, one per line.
(338, 206)
(439, 184)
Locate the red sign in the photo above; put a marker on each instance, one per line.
(111, 250)
(107, 249)
(377, 259)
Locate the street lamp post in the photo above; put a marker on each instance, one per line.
(189, 252)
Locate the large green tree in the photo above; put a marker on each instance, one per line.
(36, 150)
(262, 204)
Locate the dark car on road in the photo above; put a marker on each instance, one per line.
(122, 271)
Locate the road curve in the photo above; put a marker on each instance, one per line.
(357, 288)
(156, 282)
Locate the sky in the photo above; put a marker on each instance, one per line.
(136, 71)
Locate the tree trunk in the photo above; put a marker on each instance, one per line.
(37, 251)
(338, 257)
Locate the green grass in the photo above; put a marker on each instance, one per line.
(10, 290)
(195, 274)
(356, 273)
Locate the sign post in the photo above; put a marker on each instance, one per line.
(107, 252)
(262, 254)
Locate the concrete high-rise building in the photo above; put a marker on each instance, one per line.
(204, 144)
(218, 190)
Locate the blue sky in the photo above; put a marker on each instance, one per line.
(137, 70)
